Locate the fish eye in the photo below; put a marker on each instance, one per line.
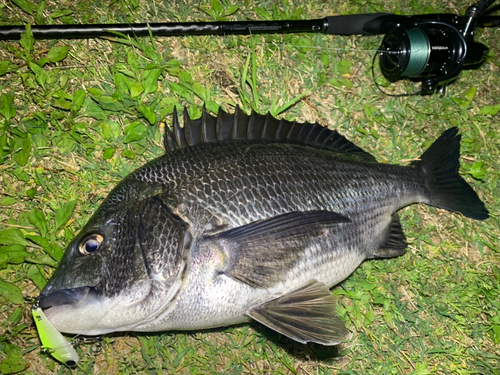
(90, 244)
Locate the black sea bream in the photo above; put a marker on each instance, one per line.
(245, 217)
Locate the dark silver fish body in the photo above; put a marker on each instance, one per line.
(259, 182)
(227, 227)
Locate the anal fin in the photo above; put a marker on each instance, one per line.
(395, 244)
(306, 314)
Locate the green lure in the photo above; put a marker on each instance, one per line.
(52, 340)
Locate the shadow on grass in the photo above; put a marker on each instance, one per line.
(302, 352)
(274, 342)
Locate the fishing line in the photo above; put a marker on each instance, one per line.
(379, 86)
(341, 49)
(77, 341)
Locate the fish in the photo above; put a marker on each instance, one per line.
(245, 217)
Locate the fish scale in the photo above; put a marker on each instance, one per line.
(245, 217)
(304, 184)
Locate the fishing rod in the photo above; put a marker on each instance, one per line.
(429, 48)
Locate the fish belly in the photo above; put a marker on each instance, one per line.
(211, 299)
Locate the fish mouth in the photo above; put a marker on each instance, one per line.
(73, 310)
(62, 297)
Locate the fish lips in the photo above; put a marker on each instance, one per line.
(70, 296)
(73, 310)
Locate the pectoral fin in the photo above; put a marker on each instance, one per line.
(306, 314)
(260, 254)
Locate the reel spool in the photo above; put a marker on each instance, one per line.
(433, 51)
(433, 54)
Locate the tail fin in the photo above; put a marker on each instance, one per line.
(445, 188)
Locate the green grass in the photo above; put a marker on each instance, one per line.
(76, 116)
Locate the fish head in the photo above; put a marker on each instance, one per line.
(123, 269)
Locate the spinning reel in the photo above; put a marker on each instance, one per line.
(432, 49)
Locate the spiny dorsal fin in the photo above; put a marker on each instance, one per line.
(256, 127)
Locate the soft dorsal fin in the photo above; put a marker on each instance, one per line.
(256, 127)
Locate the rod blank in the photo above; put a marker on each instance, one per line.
(361, 24)
(165, 29)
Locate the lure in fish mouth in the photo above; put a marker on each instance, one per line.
(245, 217)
